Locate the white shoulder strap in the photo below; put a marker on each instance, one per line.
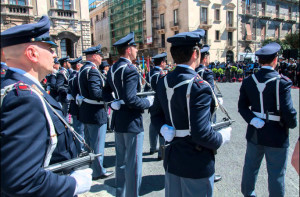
(113, 77)
(170, 92)
(262, 86)
(201, 72)
(79, 87)
(53, 135)
(150, 79)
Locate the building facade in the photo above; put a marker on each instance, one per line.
(70, 24)
(261, 19)
(100, 26)
(217, 18)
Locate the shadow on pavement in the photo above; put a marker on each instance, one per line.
(109, 161)
(152, 183)
(98, 188)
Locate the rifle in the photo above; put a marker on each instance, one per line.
(145, 93)
(66, 167)
(220, 125)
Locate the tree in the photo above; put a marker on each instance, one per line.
(292, 40)
(283, 44)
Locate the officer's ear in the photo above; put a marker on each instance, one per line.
(32, 53)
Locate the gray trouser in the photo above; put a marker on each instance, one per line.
(129, 157)
(176, 186)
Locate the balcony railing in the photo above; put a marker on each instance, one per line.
(230, 27)
(16, 10)
(279, 17)
(174, 25)
(265, 14)
(59, 13)
(205, 24)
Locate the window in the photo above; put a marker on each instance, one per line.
(205, 37)
(230, 18)
(263, 32)
(162, 21)
(229, 38)
(248, 32)
(63, 4)
(217, 35)
(277, 10)
(103, 14)
(290, 13)
(263, 8)
(97, 18)
(277, 32)
(18, 2)
(217, 14)
(175, 17)
(204, 15)
(63, 48)
(92, 39)
(91, 22)
(163, 43)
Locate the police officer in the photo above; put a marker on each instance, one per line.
(76, 64)
(92, 112)
(51, 80)
(182, 111)
(152, 77)
(104, 67)
(30, 129)
(266, 105)
(127, 120)
(62, 79)
(207, 75)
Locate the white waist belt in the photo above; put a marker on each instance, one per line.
(264, 116)
(93, 102)
(182, 133)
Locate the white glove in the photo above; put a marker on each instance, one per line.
(150, 99)
(83, 180)
(116, 105)
(257, 123)
(167, 132)
(226, 133)
(220, 100)
(70, 97)
(79, 99)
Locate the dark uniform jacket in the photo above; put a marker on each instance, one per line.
(4, 68)
(91, 85)
(129, 118)
(155, 74)
(51, 83)
(272, 134)
(73, 87)
(207, 75)
(181, 157)
(24, 142)
(62, 78)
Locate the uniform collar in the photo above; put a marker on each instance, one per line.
(27, 75)
(91, 63)
(126, 59)
(268, 67)
(185, 66)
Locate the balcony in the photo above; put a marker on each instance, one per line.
(205, 24)
(278, 17)
(16, 10)
(265, 14)
(174, 25)
(161, 30)
(230, 44)
(291, 19)
(251, 13)
(62, 14)
(230, 27)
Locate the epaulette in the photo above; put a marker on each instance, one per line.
(63, 71)
(3, 71)
(198, 80)
(22, 86)
(93, 67)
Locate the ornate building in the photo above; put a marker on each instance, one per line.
(70, 24)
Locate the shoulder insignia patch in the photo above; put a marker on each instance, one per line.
(93, 67)
(22, 86)
(198, 79)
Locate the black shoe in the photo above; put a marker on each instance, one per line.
(217, 178)
(159, 158)
(152, 152)
(103, 176)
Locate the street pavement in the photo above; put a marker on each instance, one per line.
(229, 160)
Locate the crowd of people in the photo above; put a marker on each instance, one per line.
(39, 91)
